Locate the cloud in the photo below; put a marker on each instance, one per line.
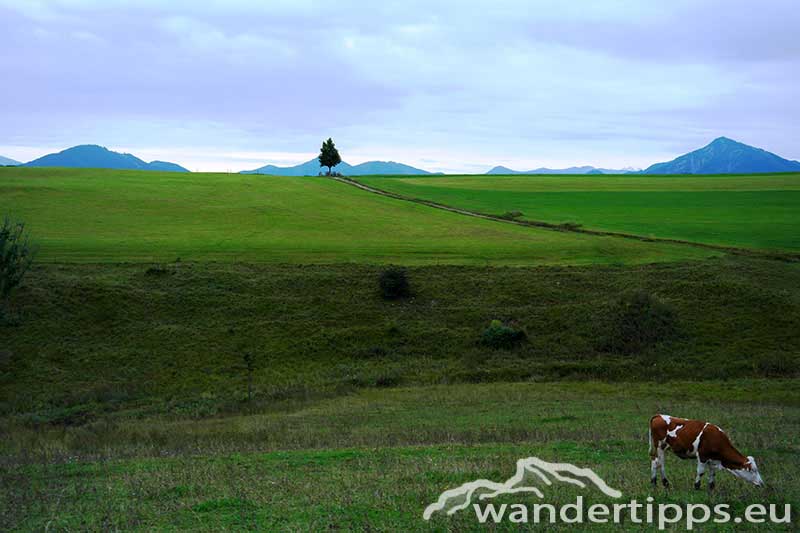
(530, 83)
(199, 36)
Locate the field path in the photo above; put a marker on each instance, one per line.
(781, 256)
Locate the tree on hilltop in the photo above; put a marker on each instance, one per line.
(329, 155)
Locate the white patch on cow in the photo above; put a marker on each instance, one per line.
(666, 418)
(674, 432)
(696, 443)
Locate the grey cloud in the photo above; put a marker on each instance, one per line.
(495, 79)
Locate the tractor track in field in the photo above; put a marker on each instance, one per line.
(776, 256)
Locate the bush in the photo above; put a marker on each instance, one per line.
(511, 215)
(639, 321)
(394, 283)
(570, 226)
(499, 335)
(16, 256)
(158, 270)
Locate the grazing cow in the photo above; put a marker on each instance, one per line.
(699, 440)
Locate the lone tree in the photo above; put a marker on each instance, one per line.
(329, 155)
(16, 255)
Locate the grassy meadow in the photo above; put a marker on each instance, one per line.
(80, 215)
(372, 460)
(126, 402)
(747, 211)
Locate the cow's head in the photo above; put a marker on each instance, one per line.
(749, 472)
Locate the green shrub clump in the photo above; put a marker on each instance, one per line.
(640, 320)
(501, 336)
(394, 283)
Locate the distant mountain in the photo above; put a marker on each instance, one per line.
(312, 168)
(6, 161)
(725, 156)
(570, 170)
(93, 156)
(385, 167)
(165, 166)
(309, 168)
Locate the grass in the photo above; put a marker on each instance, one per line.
(97, 339)
(82, 215)
(748, 211)
(123, 371)
(372, 460)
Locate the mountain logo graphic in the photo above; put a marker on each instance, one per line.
(528, 470)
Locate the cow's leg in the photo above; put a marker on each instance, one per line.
(701, 469)
(661, 461)
(712, 474)
(654, 471)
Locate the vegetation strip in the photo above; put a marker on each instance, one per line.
(780, 256)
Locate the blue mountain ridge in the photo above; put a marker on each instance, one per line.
(312, 168)
(571, 170)
(725, 156)
(94, 156)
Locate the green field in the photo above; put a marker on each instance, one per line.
(372, 461)
(123, 396)
(752, 211)
(79, 215)
(126, 403)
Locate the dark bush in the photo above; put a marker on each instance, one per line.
(570, 226)
(394, 283)
(388, 379)
(16, 256)
(511, 215)
(640, 320)
(776, 365)
(158, 270)
(499, 335)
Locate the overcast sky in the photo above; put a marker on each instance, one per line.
(447, 86)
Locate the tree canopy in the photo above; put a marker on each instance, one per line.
(329, 155)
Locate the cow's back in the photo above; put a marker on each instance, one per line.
(678, 434)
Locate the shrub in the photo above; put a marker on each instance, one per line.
(158, 270)
(640, 320)
(16, 256)
(570, 226)
(511, 215)
(394, 283)
(499, 335)
(776, 365)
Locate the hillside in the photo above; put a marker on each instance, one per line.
(127, 336)
(236, 217)
(750, 211)
(93, 156)
(725, 156)
(312, 168)
(7, 161)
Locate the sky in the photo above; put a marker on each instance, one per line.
(452, 86)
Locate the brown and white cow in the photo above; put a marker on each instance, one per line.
(699, 440)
